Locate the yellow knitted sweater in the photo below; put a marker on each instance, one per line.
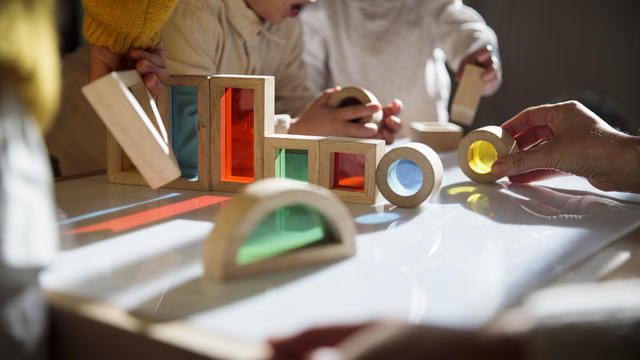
(29, 58)
(124, 24)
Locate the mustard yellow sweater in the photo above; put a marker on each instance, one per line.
(29, 58)
(124, 24)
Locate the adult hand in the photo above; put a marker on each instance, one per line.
(320, 119)
(150, 63)
(487, 59)
(568, 137)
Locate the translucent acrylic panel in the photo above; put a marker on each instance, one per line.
(236, 106)
(292, 164)
(184, 128)
(286, 229)
(348, 172)
(404, 177)
(481, 156)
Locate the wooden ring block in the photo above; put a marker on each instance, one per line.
(352, 95)
(475, 156)
(428, 163)
(438, 136)
(245, 212)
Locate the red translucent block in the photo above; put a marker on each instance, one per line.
(348, 172)
(236, 107)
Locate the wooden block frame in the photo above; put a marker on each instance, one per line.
(133, 119)
(429, 165)
(353, 95)
(263, 124)
(502, 142)
(373, 150)
(467, 97)
(238, 219)
(202, 82)
(294, 142)
(438, 136)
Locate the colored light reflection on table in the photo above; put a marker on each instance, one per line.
(481, 156)
(404, 177)
(236, 114)
(184, 126)
(149, 216)
(348, 172)
(284, 230)
(292, 164)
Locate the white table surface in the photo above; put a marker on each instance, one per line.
(456, 261)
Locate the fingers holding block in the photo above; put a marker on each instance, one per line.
(480, 149)
(438, 136)
(408, 175)
(353, 95)
(277, 224)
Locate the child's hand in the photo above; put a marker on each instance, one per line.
(149, 63)
(390, 123)
(322, 120)
(486, 59)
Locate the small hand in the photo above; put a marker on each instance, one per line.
(320, 119)
(390, 123)
(487, 59)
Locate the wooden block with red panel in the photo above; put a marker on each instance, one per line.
(348, 168)
(242, 109)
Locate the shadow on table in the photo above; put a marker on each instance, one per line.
(381, 217)
(537, 205)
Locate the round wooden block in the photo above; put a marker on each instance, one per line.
(480, 149)
(353, 95)
(420, 160)
(245, 212)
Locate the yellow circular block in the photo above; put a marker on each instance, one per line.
(425, 162)
(353, 95)
(480, 149)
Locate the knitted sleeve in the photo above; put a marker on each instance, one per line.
(124, 24)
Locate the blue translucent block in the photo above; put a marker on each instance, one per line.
(184, 125)
(286, 229)
(404, 177)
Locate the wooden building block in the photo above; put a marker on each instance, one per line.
(130, 114)
(480, 149)
(353, 95)
(292, 156)
(438, 136)
(242, 109)
(467, 97)
(409, 174)
(277, 224)
(348, 168)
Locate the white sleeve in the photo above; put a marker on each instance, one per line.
(459, 30)
(315, 48)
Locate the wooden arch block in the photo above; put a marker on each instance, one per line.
(480, 149)
(238, 220)
(348, 168)
(353, 95)
(409, 174)
(130, 114)
(438, 136)
(279, 148)
(241, 105)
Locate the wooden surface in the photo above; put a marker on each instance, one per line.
(363, 96)
(501, 140)
(373, 150)
(465, 101)
(263, 107)
(295, 142)
(139, 132)
(427, 161)
(258, 200)
(438, 136)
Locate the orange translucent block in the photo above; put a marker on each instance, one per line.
(348, 172)
(236, 107)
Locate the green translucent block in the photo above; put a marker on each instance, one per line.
(184, 126)
(292, 164)
(284, 230)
